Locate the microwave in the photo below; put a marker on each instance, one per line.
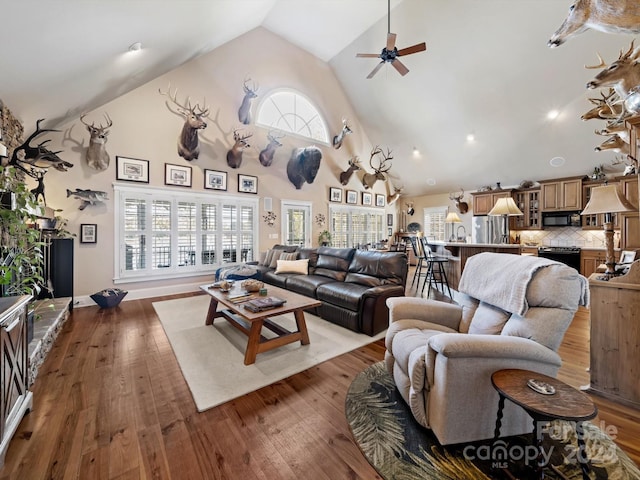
(561, 219)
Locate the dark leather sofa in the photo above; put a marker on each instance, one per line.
(353, 285)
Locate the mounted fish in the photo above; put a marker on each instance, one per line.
(354, 166)
(97, 156)
(88, 197)
(266, 155)
(303, 165)
(188, 147)
(234, 156)
(346, 130)
(37, 156)
(244, 112)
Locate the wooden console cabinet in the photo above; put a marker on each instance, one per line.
(16, 397)
(615, 337)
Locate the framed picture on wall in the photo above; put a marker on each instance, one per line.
(132, 169)
(335, 194)
(88, 233)
(178, 175)
(390, 232)
(352, 197)
(389, 219)
(215, 180)
(379, 200)
(247, 183)
(367, 198)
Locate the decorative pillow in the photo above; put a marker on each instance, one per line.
(275, 258)
(293, 266)
(488, 319)
(289, 256)
(262, 258)
(269, 256)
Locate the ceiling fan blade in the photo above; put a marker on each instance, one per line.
(391, 41)
(368, 55)
(399, 66)
(375, 70)
(420, 47)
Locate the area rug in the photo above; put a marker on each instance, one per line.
(399, 448)
(212, 357)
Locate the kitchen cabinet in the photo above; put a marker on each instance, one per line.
(590, 259)
(16, 398)
(629, 223)
(524, 250)
(483, 202)
(615, 338)
(561, 194)
(594, 221)
(528, 201)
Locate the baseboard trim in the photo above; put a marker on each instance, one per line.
(86, 301)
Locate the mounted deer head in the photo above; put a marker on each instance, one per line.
(615, 143)
(410, 209)
(601, 106)
(188, 147)
(393, 197)
(97, 156)
(463, 207)
(346, 130)
(234, 156)
(611, 16)
(630, 166)
(622, 75)
(244, 112)
(266, 155)
(37, 156)
(354, 166)
(370, 179)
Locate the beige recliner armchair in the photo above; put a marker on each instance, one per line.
(512, 312)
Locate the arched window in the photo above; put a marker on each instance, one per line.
(289, 111)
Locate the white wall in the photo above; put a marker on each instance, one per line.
(144, 128)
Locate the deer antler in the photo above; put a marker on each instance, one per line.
(109, 122)
(386, 157)
(600, 65)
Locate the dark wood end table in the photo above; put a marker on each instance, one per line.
(566, 403)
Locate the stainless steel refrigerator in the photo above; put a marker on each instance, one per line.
(489, 229)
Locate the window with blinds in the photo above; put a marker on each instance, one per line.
(434, 226)
(353, 227)
(163, 234)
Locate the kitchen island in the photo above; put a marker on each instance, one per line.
(458, 252)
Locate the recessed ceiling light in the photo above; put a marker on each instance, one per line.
(556, 161)
(135, 47)
(416, 152)
(431, 181)
(471, 137)
(553, 114)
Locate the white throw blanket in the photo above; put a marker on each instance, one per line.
(502, 279)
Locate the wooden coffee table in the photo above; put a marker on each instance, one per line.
(251, 323)
(566, 403)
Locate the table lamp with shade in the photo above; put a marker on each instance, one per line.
(505, 207)
(607, 199)
(452, 217)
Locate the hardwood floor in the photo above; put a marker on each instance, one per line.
(110, 402)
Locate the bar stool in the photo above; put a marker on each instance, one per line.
(436, 271)
(421, 262)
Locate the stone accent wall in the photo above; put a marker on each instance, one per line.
(11, 128)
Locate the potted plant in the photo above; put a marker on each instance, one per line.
(21, 258)
(324, 239)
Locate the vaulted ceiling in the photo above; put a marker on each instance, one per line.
(487, 72)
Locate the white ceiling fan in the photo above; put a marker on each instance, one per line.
(390, 52)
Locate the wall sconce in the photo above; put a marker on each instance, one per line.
(607, 199)
(505, 207)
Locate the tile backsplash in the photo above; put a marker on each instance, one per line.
(567, 237)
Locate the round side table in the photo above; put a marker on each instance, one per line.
(566, 403)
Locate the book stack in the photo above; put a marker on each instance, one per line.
(263, 303)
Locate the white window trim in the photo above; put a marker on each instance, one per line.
(442, 210)
(286, 204)
(169, 193)
(265, 98)
(360, 210)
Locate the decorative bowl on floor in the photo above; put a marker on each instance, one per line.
(109, 297)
